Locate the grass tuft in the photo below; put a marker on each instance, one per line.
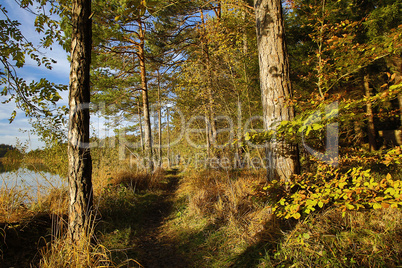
(360, 239)
(218, 216)
(138, 181)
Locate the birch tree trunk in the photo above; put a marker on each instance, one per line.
(79, 157)
(282, 158)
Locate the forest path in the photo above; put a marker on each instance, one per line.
(153, 247)
(21, 242)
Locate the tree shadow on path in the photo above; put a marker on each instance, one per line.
(144, 218)
(154, 248)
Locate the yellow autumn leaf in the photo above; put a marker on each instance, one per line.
(389, 177)
(385, 205)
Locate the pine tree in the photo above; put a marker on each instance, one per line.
(282, 157)
(79, 156)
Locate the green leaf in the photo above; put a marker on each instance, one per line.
(349, 206)
(296, 215)
(306, 236)
(377, 206)
(390, 190)
(316, 126)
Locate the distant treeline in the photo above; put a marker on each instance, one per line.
(4, 148)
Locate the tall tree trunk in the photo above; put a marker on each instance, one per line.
(357, 140)
(400, 108)
(168, 136)
(79, 156)
(141, 132)
(147, 120)
(208, 135)
(395, 63)
(320, 67)
(283, 160)
(370, 116)
(159, 121)
(210, 95)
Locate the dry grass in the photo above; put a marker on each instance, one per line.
(56, 202)
(133, 179)
(227, 197)
(62, 253)
(138, 181)
(110, 174)
(12, 203)
(16, 203)
(218, 216)
(360, 239)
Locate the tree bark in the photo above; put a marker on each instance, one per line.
(159, 122)
(400, 108)
(282, 157)
(147, 120)
(168, 136)
(370, 116)
(79, 157)
(210, 95)
(395, 63)
(208, 135)
(140, 122)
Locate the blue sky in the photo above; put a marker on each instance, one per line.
(9, 133)
(17, 132)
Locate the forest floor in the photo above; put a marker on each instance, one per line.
(154, 248)
(23, 240)
(217, 222)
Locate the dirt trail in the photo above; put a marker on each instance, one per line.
(155, 249)
(19, 245)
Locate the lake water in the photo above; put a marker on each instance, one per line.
(30, 180)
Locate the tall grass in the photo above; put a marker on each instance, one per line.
(12, 202)
(218, 215)
(220, 221)
(87, 252)
(21, 201)
(360, 239)
(226, 197)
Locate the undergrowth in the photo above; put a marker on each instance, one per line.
(223, 219)
(116, 189)
(218, 216)
(329, 217)
(359, 239)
